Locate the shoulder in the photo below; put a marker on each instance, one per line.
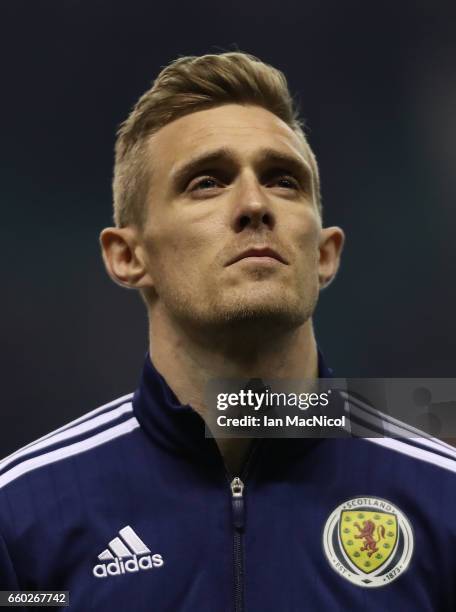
(94, 429)
(398, 442)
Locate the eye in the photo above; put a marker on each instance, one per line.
(204, 183)
(284, 181)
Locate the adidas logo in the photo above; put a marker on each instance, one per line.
(129, 545)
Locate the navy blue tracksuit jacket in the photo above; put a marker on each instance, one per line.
(130, 508)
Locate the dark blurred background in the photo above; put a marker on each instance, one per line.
(377, 85)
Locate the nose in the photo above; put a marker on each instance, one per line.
(252, 207)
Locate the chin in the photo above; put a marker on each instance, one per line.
(264, 314)
(246, 311)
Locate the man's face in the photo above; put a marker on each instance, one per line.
(232, 231)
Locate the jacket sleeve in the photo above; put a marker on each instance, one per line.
(8, 577)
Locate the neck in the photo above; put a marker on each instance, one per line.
(189, 358)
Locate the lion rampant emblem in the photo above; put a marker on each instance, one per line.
(366, 533)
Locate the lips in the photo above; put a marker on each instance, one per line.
(258, 252)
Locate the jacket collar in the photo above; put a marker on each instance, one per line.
(175, 426)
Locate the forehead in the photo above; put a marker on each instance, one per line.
(243, 128)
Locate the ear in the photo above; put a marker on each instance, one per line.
(330, 248)
(123, 257)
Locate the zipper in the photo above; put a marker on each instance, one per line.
(237, 487)
(237, 499)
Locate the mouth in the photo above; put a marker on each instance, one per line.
(258, 254)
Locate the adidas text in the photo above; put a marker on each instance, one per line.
(117, 567)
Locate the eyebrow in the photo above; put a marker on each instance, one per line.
(224, 155)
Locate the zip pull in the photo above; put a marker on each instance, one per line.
(237, 490)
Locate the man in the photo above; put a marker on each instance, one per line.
(218, 224)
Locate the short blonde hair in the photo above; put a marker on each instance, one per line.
(187, 85)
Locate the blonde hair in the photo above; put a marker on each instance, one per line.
(187, 85)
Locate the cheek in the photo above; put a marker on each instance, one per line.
(307, 267)
(308, 246)
(178, 252)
